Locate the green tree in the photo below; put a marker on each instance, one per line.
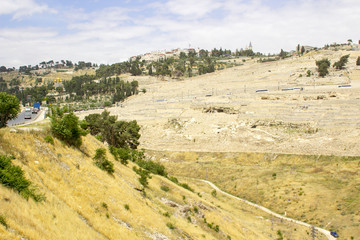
(135, 69)
(282, 54)
(341, 63)
(302, 50)
(119, 134)
(66, 128)
(9, 108)
(60, 89)
(358, 61)
(323, 66)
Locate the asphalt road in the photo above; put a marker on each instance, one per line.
(21, 119)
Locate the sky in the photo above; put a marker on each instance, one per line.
(110, 31)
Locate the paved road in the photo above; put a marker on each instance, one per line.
(323, 231)
(20, 120)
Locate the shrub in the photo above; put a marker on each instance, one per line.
(213, 193)
(170, 226)
(341, 63)
(186, 186)
(174, 180)
(107, 104)
(123, 154)
(13, 177)
(167, 214)
(358, 61)
(49, 139)
(102, 162)
(144, 175)
(323, 66)
(126, 206)
(104, 205)
(153, 167)
(66, 128)
(165, 188)
(99, 137)
(308, 73)
(3, 221)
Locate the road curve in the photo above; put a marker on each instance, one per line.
(323, 231)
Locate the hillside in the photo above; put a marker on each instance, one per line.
(294, 147)
(84, 202)
(198, 113)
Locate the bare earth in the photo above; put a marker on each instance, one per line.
(222, 112)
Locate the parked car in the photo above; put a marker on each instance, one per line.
(27, 115)
(334, 234)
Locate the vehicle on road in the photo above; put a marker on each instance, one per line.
(27, 115)
(35, 110)
(28, 109)
(334, 234)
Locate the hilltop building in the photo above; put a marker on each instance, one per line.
(159, 55)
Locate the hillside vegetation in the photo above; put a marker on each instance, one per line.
(84, 202)
(320, 190)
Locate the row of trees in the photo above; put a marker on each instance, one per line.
(85, 86)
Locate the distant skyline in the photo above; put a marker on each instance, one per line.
(110, 31)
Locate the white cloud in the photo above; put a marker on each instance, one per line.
(114, 34)
(21, 8)
(192, 9)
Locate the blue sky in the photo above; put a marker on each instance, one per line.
(109, 31)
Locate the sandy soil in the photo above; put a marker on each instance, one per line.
(222, 112)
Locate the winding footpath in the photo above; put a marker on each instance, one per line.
(323, 231)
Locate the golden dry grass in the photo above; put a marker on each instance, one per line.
(77, 192)
(320, 190)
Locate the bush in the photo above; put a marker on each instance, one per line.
(213, 193)
(13, 177)
(144, 175)
(3, 221)
(308, 73)
(170, 226)
(323, 66)
(49, 139)
(126, 206)
(66, 128)
(153, 167)
(119, 134)
(341, 63)
(107, 104)
(102, 162)
(358, 61)
(165, 188)
(186, 186)
(174, 180)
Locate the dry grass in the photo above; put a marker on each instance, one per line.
(76, 192)
(320, 190)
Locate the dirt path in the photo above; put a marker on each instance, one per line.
(323, 231)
